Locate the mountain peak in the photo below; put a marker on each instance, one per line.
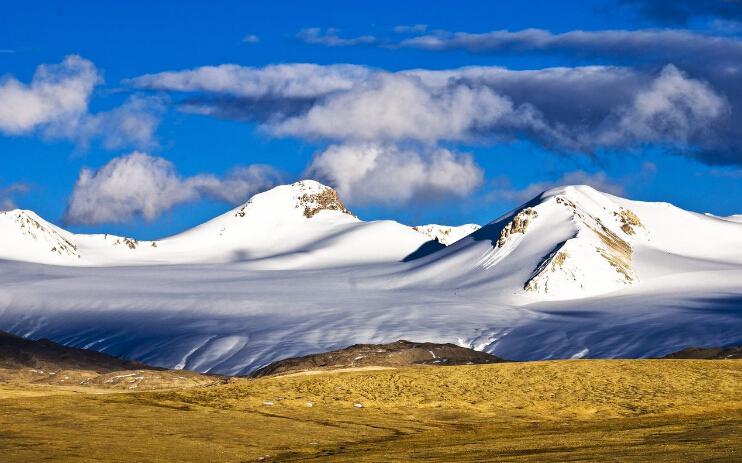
(316, 197)
(308, 196)
(576, 192)
(571, 241)
(20, 213)
(27, 232)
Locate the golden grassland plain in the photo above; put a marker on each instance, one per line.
(581, 410)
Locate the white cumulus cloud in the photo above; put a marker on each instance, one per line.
(395, 107)
(55, 94)
(370, 172)
(581, 109)
(56, 102)
(139, 185)
(674, 109)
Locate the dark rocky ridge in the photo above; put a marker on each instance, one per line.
(395, 354)
(43, 362)
(17, 352)
(709, 353)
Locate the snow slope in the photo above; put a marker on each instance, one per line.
(572, 273)
(446, 234)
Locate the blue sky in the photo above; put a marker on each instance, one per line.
(669, 133)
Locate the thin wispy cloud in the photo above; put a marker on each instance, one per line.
(331, 38)
(411, 29)
(251, 38)
(298, 80)
(659, 43)
(8, 195)
(683, 11)
(726, 173)
(501, 189)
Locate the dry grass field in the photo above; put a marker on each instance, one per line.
(583, 410)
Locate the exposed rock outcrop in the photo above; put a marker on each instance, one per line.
(629, 221)
(444, 234)
(395, 354)
(518, 224)
(325, 200)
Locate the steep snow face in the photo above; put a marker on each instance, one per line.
(445, 234)
(598, 257)
(304, 224)
(26, 236)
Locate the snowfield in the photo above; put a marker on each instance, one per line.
(573, 273)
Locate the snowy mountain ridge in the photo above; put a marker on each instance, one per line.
(574, 241)
(295, 224)
(572, 273)
(568, 242)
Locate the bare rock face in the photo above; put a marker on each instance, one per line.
(325, 200)
(395, 354)
(519, 224)
(629, 221)
(616, 251)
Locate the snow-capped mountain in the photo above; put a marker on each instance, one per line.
(302, 224)
(572, 273)
(446, 234)
(575, 242)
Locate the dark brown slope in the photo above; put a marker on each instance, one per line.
(43, 362)
(711, 353)
(17, 352)
(395, 354)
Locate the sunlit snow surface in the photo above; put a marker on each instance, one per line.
(232, 316)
